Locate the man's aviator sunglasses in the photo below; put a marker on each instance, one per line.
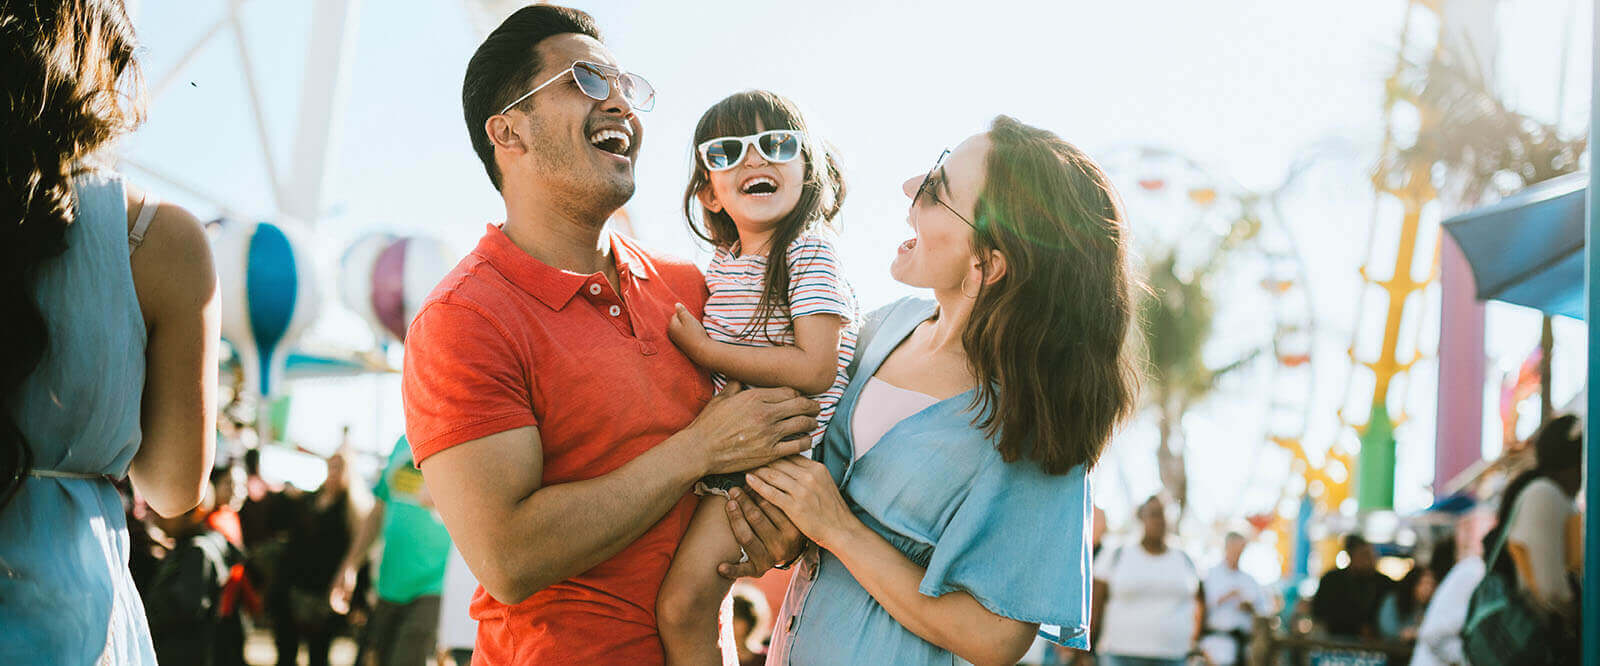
(594, 79)
(727, 152)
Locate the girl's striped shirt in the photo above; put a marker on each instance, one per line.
(816, 286)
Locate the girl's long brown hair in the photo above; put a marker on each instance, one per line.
(1049, 340)
(70, 87)
(821, 194)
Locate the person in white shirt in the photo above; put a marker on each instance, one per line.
(1232, 600)
(1148, 599)
(1542, 531)
(1439, 635)
(1543, 522)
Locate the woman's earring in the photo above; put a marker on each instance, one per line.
(964, 288)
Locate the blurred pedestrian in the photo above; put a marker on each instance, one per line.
(1542, 522)
(186, 594)
(109, 321)
(1439, 634)
(298, 600)
(1346, 602)
(1233, 598)
(239, 592)
(404, 626)
(1400, 612)
(1149, 604)
(1537, 545)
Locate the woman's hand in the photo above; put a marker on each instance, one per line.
(688, 334)
(804, 491)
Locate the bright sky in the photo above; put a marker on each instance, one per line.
(1246, 87)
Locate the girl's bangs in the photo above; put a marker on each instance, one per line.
(740, 115)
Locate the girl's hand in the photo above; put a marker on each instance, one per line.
(804, 491)
(687, 333)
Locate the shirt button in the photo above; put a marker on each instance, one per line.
(594, 289)
(616, 310)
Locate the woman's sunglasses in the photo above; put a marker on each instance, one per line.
(777, 146)
(930, 188)
(594, 79)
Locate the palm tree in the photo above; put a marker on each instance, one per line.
(1176, 318)
(1484, 146)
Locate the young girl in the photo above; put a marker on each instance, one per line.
(779, 313)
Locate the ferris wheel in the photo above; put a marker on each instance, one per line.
(1236, 242)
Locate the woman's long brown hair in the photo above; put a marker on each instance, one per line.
(70, 86)
(821, 193)
(1049, 340)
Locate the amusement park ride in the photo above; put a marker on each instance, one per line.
(1333, 486)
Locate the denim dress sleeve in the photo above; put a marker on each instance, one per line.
(1019, 544)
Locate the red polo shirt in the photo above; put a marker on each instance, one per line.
(504, 342)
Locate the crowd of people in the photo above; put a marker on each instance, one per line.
(255, 556)
(582, 420)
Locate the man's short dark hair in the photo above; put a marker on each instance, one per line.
(1354, 542)
(504, 63)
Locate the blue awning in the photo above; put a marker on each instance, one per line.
(1527, 249)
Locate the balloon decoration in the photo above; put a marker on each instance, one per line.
(270, 295)
(384, 278)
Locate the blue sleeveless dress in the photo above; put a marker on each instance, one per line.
(66, 596)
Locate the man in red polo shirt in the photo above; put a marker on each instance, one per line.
(558, 428)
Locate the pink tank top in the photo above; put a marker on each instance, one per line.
(879, 407)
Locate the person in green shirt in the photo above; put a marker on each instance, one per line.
(410, 571)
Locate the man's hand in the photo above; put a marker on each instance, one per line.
(802, 488)
(741, 428)
(764, 532)
(688, 334)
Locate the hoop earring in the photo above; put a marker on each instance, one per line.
(964, 288)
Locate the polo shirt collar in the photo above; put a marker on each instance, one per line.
(552, 286)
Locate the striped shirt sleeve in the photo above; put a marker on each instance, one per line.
(816, 285)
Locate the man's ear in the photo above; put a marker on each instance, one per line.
(503, 134)
(708, 198)
(995, 269)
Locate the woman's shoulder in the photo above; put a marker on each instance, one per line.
(172, 267)
(905, 306)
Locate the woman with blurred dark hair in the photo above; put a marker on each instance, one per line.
(109, 369)
(1538, 513)
(1542, 533)
(1400, 613)
(964, 440)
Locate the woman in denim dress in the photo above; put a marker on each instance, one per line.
(108, 301)
(950, 504)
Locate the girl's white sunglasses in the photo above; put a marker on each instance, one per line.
(727, 152)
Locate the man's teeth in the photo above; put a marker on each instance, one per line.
(609, 135)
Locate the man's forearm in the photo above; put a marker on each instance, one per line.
(565, 529)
